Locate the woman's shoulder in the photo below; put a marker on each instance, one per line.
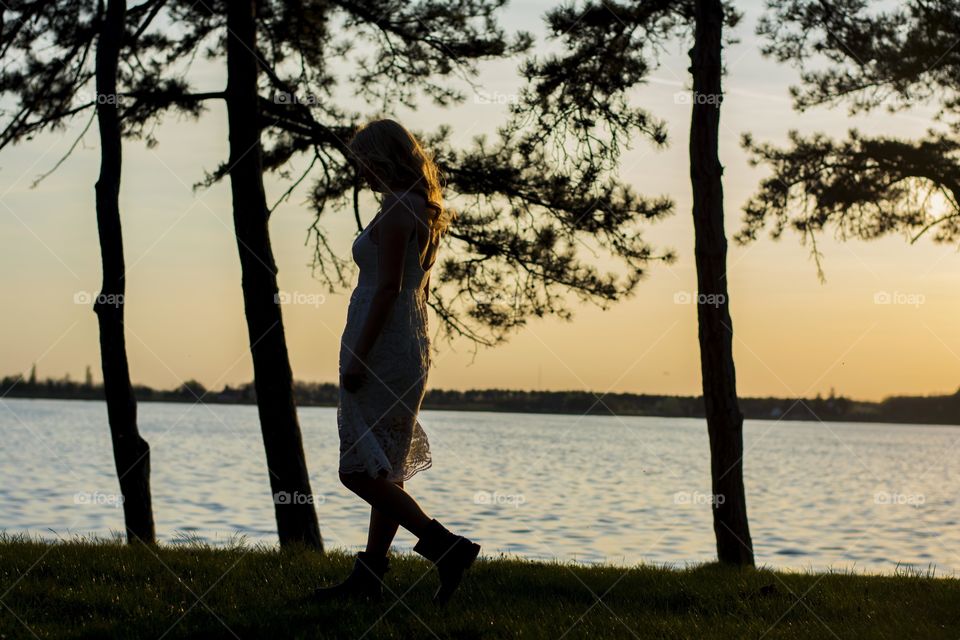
(402, 211)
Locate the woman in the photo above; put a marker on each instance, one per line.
(384, 359)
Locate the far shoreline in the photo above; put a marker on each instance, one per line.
(903, 410)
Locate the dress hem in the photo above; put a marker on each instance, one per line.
(409, 473)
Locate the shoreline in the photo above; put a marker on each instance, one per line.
(799, 410)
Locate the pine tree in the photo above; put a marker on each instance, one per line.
(579, 99)
(867, 56)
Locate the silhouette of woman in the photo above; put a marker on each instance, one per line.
(385, 358)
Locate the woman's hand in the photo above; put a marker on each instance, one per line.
(354, 373)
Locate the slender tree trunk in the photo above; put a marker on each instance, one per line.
(273, 379)
(724, 419)
(131, 453)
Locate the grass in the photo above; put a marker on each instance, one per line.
(96, 589)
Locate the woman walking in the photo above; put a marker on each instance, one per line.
(385, 357)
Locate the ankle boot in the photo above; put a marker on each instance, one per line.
(365, 581)
(452, 555)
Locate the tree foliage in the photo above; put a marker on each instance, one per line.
(896, 57)
(47, 72)
(542, 218)
(528, 226)
(865, 186)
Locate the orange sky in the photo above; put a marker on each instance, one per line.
(794, 336)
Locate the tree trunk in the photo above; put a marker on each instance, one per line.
(724, 419)
(273, 379)
(131, 453)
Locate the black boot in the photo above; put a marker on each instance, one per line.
(452, 555)
(365, 581)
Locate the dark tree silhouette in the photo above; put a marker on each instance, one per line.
(46, 53)
(130, 451)
(578, 99)
(273, 378)
(724, 418)
(865, 186)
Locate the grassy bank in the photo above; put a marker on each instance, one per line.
(94, 590)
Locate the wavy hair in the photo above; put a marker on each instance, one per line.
(396, 159)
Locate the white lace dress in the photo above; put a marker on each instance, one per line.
(379, 430)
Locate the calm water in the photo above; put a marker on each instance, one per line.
(587, 489)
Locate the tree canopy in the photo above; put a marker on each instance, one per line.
(535, 231)
(864, 186)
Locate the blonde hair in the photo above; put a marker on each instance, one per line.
(391, 153)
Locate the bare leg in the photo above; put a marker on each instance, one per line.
(390, 500)
(382, 530)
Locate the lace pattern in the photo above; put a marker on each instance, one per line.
(379, 430)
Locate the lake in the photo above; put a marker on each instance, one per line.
(623, 490)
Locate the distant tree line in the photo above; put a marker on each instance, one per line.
(933, 409)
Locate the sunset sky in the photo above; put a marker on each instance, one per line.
(793, 335)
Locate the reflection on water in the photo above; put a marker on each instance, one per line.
(588, 489)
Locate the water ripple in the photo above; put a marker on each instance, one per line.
(841, 496)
